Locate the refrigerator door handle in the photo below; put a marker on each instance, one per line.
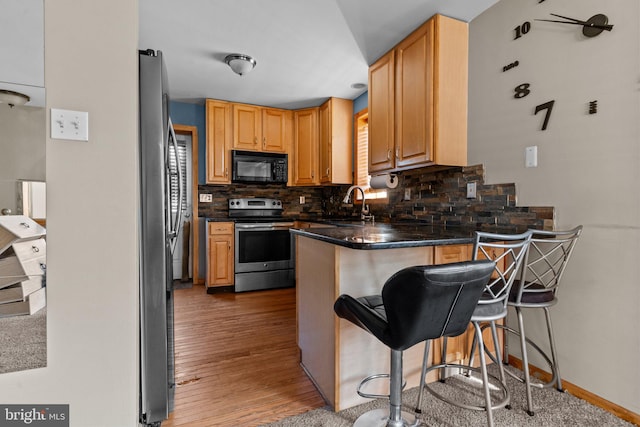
(173, 234)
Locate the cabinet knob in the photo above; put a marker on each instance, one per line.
(255, 139)
(264, 142)
(327, 171)
(388, 154)
(397, 153)
(226, 172)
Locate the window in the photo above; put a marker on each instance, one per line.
(362, 158)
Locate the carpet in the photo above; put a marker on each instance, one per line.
(23, 342)
(552, 408)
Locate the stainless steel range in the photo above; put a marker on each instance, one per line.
(264, 248)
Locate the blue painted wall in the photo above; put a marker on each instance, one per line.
(186, 114)
(361, 102)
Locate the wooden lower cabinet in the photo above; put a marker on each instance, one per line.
(220, 250)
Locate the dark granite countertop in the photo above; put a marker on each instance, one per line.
(388, 236)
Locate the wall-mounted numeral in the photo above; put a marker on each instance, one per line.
(521, 91)
(593, 107)
(521, 30)
(546, 106)
(510, 66)
(540, 1)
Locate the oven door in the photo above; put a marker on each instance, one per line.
(263, 247)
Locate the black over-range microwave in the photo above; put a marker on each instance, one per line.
(252, 167)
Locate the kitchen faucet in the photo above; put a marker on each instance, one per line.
(364, 213)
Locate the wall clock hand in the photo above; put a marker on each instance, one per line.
(590, 28)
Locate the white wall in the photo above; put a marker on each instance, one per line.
(92, 284)
(589, 168)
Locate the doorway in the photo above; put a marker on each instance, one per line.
(185, 257)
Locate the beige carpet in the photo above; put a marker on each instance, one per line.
(23, 342)
(552, 409)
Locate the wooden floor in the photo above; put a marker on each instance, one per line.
(237, 359)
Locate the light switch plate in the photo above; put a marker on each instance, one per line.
(531, 157)
(303, 200)
(71, 125)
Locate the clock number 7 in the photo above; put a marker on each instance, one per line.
(546, 106)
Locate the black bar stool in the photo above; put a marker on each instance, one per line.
(417, 304)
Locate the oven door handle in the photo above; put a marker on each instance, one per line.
(261, 227)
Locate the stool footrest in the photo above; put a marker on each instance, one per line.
(554, 376)
(501, 404)
(374, 396)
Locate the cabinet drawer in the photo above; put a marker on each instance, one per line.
(14, 228)
(30, 249)
(220, 228)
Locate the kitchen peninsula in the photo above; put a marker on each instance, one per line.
(357, 260)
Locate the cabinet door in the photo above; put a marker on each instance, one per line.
(219, 134)
(324, 136)
(247, 127)
(220, 270)
(415, 97)
(381, 114)
(458, 348)
(305, 147)
(274, 130)
(335, 131)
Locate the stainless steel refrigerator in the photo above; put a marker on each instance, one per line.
(158, 231)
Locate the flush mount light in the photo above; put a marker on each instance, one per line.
(240, 64)
(13, 98)
(358, 86)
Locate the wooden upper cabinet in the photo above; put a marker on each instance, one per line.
(335, 126)
(258, 128)
(219, 136)
(305, 147)
(247, 127)
(276, 130)
(414, 97)
(427, 107)
(381, 114)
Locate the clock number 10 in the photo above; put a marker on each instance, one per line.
(521, 30)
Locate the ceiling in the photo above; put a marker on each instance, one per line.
(306, 50)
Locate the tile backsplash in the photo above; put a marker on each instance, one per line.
(436, 196)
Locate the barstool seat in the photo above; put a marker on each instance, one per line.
(417, 304)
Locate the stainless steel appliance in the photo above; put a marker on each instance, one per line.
(252, 167)
(158, 231)
(264, 248)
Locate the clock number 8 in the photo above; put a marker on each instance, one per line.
(521, 30)
(522, 90)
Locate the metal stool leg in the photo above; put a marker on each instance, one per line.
(525, 361)
(443, 360)
(554, 356)
(423, 376)
(485, 376)
(392, 416)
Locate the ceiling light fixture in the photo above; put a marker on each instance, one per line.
(240, 64)
(358, 86)
(13, 98)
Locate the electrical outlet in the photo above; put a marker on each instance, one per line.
(471, 190)
(407, 194)
(206, 198)
(302, 200)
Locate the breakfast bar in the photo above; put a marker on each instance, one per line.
(357, 260)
